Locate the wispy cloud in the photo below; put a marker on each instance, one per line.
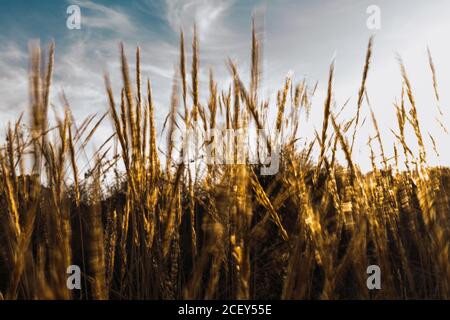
(182, 14)
(13, 81)
(103, 17)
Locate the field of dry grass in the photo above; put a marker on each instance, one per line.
(165, 229)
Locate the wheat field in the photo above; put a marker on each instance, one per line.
(142, 225)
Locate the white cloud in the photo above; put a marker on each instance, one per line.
(13, 82)
(103, 17)
(183, 14)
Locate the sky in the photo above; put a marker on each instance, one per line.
(300, 40)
